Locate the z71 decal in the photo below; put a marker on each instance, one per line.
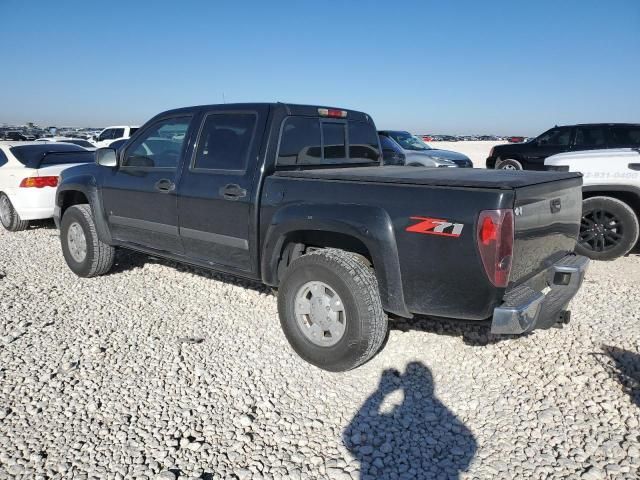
(435, 226)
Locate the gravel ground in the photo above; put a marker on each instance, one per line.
(163, 371)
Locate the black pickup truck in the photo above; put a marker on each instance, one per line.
(296, 197)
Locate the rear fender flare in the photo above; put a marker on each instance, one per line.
(370, 225)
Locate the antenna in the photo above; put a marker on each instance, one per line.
(223, 99)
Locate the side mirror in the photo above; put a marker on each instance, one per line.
(106, 157)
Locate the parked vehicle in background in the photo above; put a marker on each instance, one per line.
(110, 134)
(426, 138)
(295, 196)
(531, 155)
(419, 154)
(444, 138)
(15, 136)
(516, 139)
(611, 199)
(392, 154)
(29, 176)
(75, 141)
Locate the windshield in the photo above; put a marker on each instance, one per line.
(408, 141)
(31, 155)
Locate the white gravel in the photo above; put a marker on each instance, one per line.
(163, 371)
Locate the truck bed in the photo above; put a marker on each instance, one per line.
(436, 177)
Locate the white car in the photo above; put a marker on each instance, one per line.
(29, 173)
(75, 141)
(611, 199)
(109, 134)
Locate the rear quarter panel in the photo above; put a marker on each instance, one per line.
(440, 275)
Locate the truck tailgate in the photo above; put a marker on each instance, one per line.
(547, 222)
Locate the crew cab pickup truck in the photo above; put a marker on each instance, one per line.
(297, 197)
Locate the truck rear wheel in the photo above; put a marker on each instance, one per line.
(609, 228)
(9, 217)
(330, 309)
(83, 251)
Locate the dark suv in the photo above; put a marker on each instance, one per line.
(593, 136)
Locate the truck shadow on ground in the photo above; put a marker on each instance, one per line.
(127, 260)
(403, 431)
(47, 224)
(475, 334)
(626, 368)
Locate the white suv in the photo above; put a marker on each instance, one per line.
(111, 134)
(29, 174)
(611, 199)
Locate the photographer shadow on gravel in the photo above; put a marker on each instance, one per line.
(627, 370)
(403, 431)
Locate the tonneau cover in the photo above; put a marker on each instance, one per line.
(440, 177)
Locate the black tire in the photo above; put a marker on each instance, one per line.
(609, 228)
(356, 284)
(9, 217)
(509, 164)
(99, 256)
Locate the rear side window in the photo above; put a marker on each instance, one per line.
(590, 137)
(3, 158)
(312, 141)
(625, 136)
(224, 141)
(132, 131)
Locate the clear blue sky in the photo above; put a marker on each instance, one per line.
(505, 67)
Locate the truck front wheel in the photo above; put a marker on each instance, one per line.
(609, 228)
(330, 309)
(83, 251)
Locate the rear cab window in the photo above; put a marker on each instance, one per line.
(315, 141)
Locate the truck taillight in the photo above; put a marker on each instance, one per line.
(39, 182)
(495, 243)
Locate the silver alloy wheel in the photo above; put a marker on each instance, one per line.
(508, 167)
(77, 242)
(320, 314)
(5, 211)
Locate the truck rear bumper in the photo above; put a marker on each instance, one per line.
(525, 309)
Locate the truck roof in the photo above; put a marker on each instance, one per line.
(284, 108)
